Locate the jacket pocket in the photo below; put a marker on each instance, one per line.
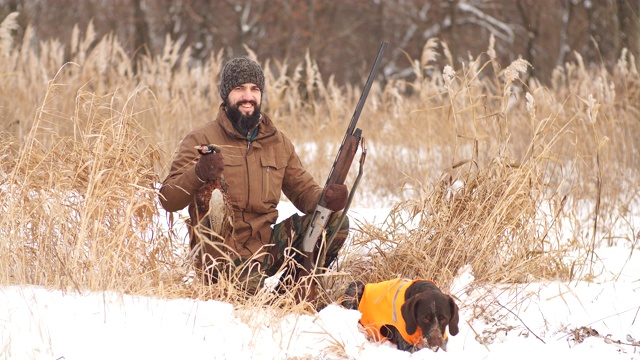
(272, 176)
(235, 175)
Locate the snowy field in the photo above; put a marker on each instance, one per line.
(550, 320)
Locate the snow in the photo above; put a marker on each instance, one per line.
(538, 320)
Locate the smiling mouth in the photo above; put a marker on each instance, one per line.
(248, 106)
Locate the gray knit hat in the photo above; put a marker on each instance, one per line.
(240, 71)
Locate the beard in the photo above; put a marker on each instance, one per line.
(243, 123)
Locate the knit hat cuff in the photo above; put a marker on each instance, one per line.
(240, 71)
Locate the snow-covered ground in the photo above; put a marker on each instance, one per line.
(548, 320)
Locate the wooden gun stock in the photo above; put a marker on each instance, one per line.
(343, 162)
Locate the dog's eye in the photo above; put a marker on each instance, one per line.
(428, 318)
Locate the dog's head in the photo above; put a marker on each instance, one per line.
(432, 311)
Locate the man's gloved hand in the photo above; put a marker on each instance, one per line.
(336, 197)
(210, 165)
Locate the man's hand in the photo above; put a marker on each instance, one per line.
(336, 197)
(210, 165)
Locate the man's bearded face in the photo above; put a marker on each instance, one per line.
(241, 121)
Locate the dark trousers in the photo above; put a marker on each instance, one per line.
(287, 242)
(283, 253)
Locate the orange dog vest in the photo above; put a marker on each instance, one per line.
(380, 305)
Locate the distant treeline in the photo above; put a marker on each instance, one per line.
(342, 36)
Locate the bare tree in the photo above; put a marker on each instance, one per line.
(531, 23)
(567, 7)
(141, 28)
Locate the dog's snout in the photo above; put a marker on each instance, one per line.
(434, 339)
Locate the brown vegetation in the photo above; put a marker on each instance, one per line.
(479, 167)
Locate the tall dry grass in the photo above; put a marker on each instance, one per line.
(480, 164)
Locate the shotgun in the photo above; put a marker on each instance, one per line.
(337, 175)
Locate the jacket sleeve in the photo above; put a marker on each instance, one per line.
(180, 186)
(298, 184)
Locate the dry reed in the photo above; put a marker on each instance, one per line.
(481, 165)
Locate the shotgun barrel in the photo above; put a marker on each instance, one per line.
(337, 175)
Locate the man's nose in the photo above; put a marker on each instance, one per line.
(246, 94)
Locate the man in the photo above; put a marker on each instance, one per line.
(253, 163)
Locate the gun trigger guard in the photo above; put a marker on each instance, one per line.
(363, 153)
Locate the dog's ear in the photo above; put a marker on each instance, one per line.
(408, 310)
(453, 323)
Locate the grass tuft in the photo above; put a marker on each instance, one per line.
(480, 166)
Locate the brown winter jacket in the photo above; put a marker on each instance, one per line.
(256, 173)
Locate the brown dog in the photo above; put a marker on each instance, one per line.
(412, 314)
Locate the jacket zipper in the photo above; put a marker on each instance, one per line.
(246, 159)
